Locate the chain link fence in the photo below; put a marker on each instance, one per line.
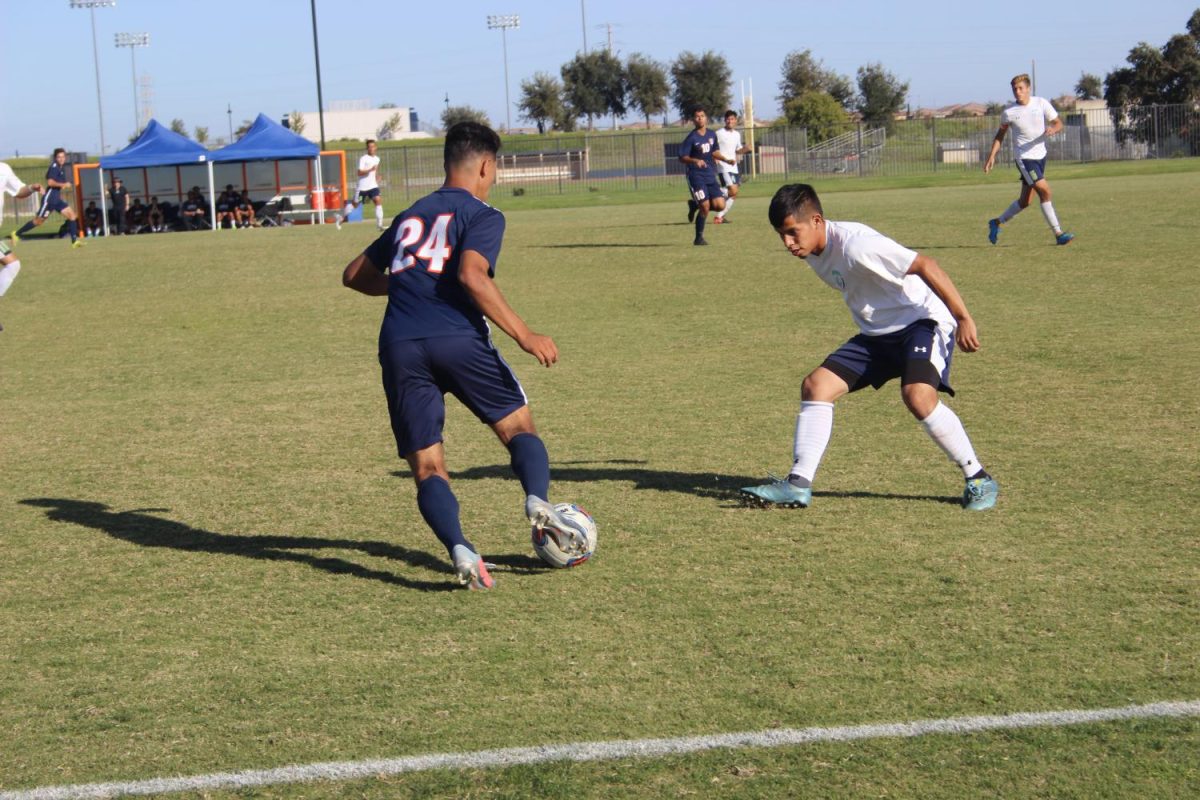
(579, 163)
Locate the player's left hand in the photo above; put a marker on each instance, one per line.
(966, 336)
(540, 347)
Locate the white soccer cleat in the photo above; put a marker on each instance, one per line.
(471, 569)
(337, 223)
(543, 516)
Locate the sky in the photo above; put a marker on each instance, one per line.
(218, 62)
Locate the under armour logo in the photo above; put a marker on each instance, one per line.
(920, 349)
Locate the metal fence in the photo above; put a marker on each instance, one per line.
(578, 163)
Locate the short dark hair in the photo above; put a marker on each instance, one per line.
(791, 200)
(696, 108)
(370, 141)
(58, 150)
(466, 140)
(729, 113)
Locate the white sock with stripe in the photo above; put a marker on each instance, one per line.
(814, 426)
(1051, 217)
(1010, 212)
(945, 428)
(379, 215)
(8, 274)
(728, 207)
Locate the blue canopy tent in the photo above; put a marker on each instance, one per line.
(157, 146)
(267, 140)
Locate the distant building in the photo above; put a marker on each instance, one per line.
(362, 124)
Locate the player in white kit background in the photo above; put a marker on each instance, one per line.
(729, 148)
(368, 187)
(10, 265)
(1033, 120)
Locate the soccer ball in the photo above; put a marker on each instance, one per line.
(554, 548)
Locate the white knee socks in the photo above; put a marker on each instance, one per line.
(814, 426)
(945, 428)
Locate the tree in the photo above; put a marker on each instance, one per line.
(389, 127)
(298, 122)
(648, 85)
(803, 73)
(178, 126)
(541, 100)
(880, 96)
(1156, 76)
(456, 114)
(594, 85)
(1088, 87)
(240, 130)
(201, 134)
(700, 81)
(819, 112)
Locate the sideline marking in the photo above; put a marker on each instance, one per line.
(599, 751)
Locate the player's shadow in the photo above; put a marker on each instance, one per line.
(142, 527)
(701, 484)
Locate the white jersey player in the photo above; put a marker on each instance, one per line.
(10, 184)
(729, 149)
(909, 315)
(368, 187)
(1033, 120)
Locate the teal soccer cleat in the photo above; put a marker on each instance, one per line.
(779, 493)
(993, 230)
(980, 493)
(1064, 238)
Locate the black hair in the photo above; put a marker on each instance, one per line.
(370, 141)
(696, 108)
(58, 150)
(729, 113)
(791, 201)
(466, 140)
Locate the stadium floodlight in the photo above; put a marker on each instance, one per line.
(133, 41)
(504, 22)
(91, 6)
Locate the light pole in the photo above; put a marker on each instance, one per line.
(133, 41)
(229, 113)
(317, 58)
(504, 22)
(91, 6)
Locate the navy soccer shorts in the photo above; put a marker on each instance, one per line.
(49, 204)
(417, 374)
(919, 353)
(1032, 170)
(369, 194)
(703, 185)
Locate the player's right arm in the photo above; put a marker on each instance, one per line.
(996, 142)
(928, 270)
(362, 275)
(474, 275)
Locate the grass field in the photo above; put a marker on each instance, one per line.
(214, 561)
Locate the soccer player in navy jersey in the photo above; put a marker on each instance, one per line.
(56, 181)
(436, 264)
(697, 153)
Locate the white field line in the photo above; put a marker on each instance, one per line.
(599, 751)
